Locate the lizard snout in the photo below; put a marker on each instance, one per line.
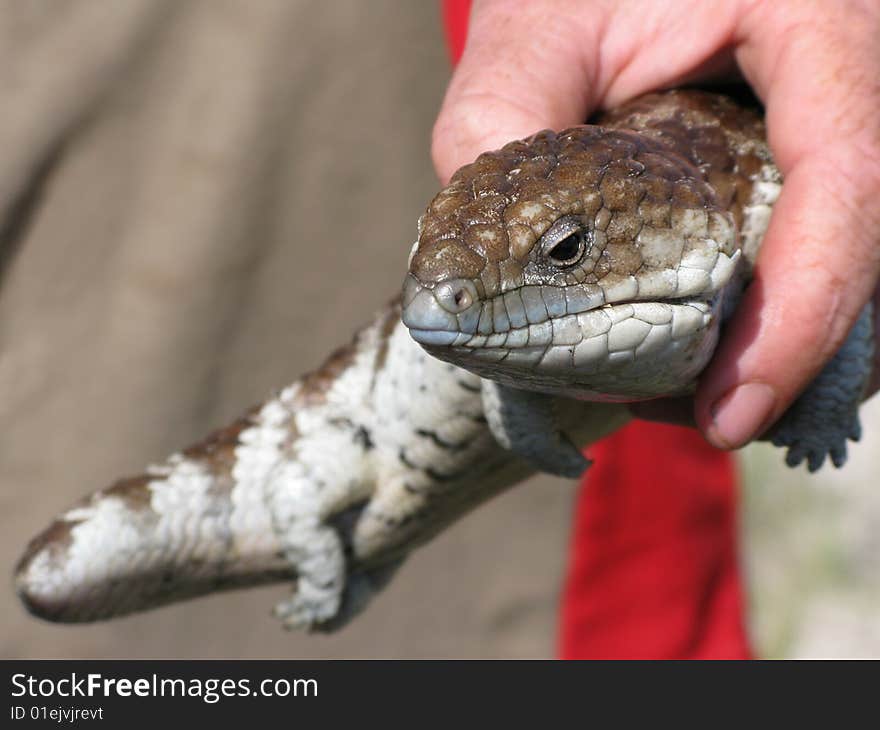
(437, 315)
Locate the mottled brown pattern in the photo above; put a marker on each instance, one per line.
(132, 491)
(314, 385)
(715, 134)
(216, 453)
(217, 450)
(693, 151)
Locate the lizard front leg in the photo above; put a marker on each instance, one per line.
(526, 423)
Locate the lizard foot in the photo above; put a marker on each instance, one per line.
(805, 443)
(826, 414)
(319, 559)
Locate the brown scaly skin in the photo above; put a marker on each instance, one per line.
(698, 151)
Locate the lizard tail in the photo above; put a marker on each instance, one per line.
(197, 524)
(273, 497)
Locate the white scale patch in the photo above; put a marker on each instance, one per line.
(767, 185)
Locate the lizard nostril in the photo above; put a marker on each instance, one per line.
(455, 296)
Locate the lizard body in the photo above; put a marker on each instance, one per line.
(551, 281)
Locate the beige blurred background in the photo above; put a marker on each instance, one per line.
(198, 200)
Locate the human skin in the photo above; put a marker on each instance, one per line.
(816, 67)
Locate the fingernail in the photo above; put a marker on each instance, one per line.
(741, 414)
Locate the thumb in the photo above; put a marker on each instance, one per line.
(526, 67)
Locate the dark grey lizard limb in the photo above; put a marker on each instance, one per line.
(526, 423)
(826, 414)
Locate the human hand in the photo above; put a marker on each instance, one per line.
(815, 66)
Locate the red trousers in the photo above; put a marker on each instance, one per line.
(653, 568)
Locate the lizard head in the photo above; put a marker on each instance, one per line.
(589, 262)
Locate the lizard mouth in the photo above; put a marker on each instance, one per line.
(618, 352)
(559, 330)
(614, 332)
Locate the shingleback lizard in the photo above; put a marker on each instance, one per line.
(552, 281)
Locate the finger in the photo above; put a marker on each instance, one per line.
(820, 258)
(526, 67)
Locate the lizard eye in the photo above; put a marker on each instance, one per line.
(568, 250)
(565, 243)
